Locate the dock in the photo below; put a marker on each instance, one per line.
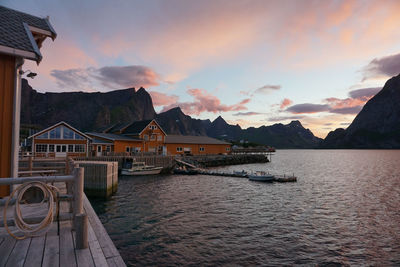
(59, 246)
(198, 171)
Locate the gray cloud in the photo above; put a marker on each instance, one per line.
(386, 66)
(250, 113)
(267, 88)
(72, 78)
(364, 93)
(307, 108)
(283, 118)
(347, 110)
(128, 76)
(111, 77)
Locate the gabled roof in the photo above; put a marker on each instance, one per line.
(191, 139)
(22, 34)
(119, 127)
(99, 142)
(138, 127)
(113, 137)
(56, 125)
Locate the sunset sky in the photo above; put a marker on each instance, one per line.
(252, 62)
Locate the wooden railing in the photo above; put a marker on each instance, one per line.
(74, 180)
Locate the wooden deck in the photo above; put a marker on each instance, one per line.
(59, 250)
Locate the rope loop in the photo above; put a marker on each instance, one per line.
(37, 229)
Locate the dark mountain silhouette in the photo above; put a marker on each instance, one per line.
(174, 121)
(292, 135)
(98, 111)
(85, 111)
(376, 126)
(219, 128)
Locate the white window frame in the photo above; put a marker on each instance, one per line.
(179, 149)
(159, 137)
(51, 150)
(42, 146)
(73, 148)
(202, 149)
(78, 150)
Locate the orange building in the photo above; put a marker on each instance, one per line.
(60, 140)
(150, 132)
(22, 36)
(195, 145)
(105, 143)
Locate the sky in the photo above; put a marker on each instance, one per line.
(252, 62)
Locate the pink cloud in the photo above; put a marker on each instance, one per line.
(161, 99)
(206, 102)
(285, 103)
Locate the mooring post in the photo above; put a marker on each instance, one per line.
(78, 192)
(81, 241)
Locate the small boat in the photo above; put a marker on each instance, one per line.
(242, 173)
(140, 168)
(261, 176)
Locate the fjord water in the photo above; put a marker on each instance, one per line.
(344, 209)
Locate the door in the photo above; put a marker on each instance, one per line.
(98, 151)
(61, 150)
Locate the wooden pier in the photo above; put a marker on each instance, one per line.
(198, 171)
(167, 162)
(64, 248)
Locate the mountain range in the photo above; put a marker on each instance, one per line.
(97, 111)
(376, 126)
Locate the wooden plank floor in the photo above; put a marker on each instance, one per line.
(59, 250)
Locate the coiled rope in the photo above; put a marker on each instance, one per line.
(37, 229)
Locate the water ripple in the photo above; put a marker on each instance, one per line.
(343, 211)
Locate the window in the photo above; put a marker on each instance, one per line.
(78, 137)
(153, 127)
(70, 148)
(146, 137)
(55, 133)
(67, 133)
(41, 148)
(228, 149)
(159, 137)
(153, 137)
(80, 148)
(63, 148)
(137, 149)
(108, 148)
(201, 149)
(51, 148)
(127, 149)
(98, 148)
(179, 149)
(43, 136)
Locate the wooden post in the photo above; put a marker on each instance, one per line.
(67, 170)
(78, 192)
(69, 185)
(30, 165)
(81, 241)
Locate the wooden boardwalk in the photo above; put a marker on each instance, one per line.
(59, 250)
